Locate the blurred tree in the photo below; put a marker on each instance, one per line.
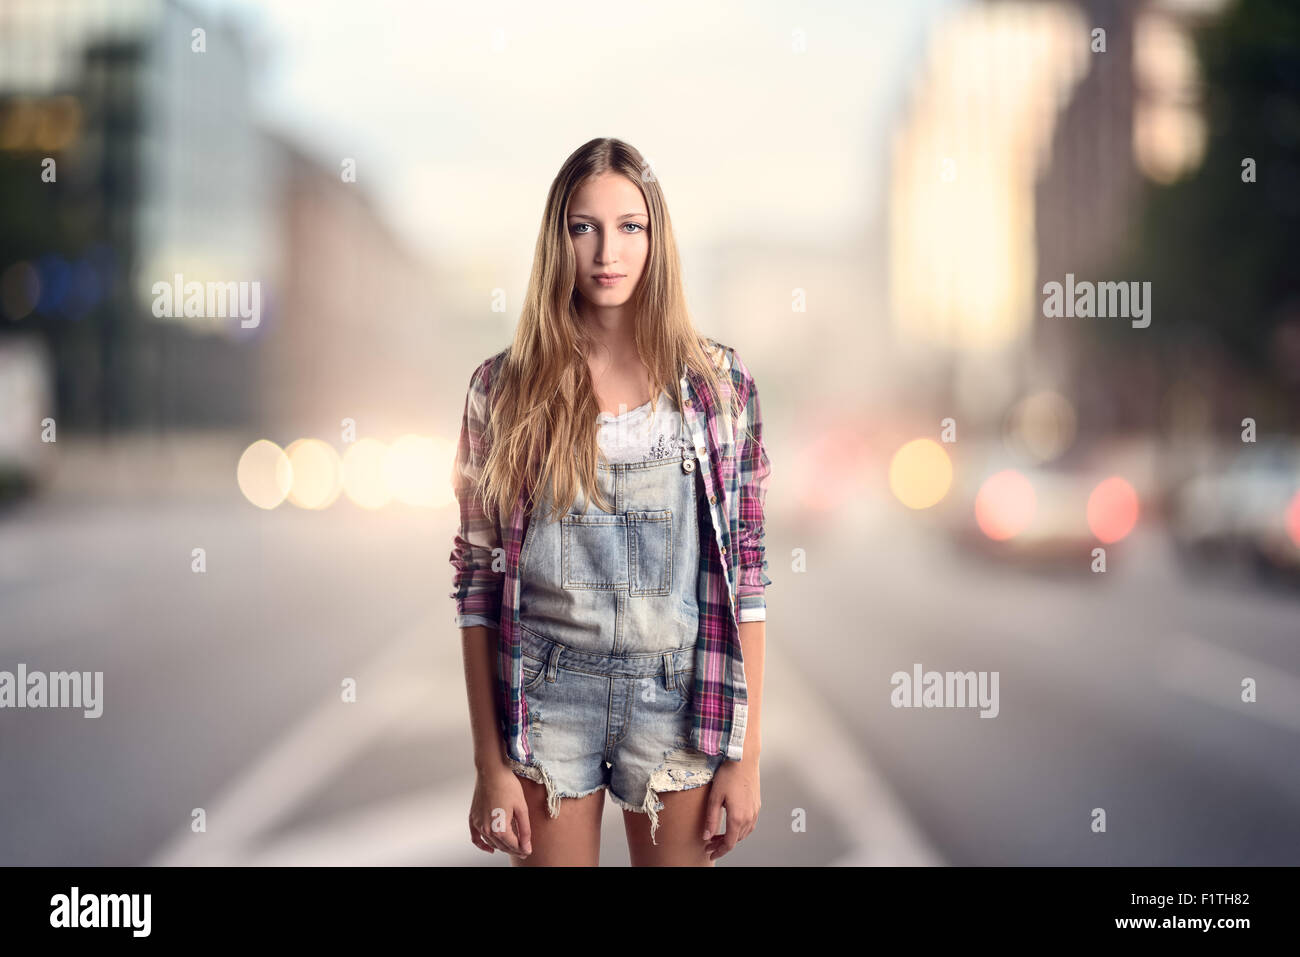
(1220, 252)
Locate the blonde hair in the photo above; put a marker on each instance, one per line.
(542, 426)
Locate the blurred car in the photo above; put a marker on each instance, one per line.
(1248, 513)
(26, 398)
(1041, 514)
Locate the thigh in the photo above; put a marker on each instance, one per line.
(679, 838)
(570, 840)
(660, 781)
(565, 788)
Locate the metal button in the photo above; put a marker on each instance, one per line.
(713, 500)
(688, 465)
(724, 549)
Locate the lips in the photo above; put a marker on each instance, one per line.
(609, 280)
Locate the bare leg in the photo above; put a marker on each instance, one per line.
(570, 840)
(679, 837)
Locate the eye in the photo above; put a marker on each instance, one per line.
(637, 227)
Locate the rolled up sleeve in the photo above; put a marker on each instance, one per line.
(753, 469)
(477, 559)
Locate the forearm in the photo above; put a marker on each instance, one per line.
(752, 641)
(479, 648)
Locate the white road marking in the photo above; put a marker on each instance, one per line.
(311, 752)
(803, 734)
(1200, 669)
(428, 827)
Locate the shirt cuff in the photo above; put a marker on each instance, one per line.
(753, 608)
(469, 621)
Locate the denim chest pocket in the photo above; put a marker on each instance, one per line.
(650, 551)
(593, 551)
(632, 550)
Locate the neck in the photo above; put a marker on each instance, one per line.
(612, 333)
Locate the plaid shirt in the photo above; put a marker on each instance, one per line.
(733, 570)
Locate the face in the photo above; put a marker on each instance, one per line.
(609, 229)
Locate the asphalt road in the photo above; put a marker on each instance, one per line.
(222, 693)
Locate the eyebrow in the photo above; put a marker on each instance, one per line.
(589, 216)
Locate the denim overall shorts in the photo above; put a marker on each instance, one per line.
(608, 623)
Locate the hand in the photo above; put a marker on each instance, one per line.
(735, 786)
(498, 815)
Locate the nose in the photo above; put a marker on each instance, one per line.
(608, 249)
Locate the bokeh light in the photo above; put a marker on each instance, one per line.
(920, 473)
(363, 473)
(1041, 426)
(264, 474)
(20, 290)
(56, 280)
(1293, 519)
(415, 470)
(317, 473)
(87, 289)
(444, 460)
(828, 471)
(1112, 509)
(1005, 505)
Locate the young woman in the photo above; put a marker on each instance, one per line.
(609, 569)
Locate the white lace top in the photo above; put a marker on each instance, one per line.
(639, 435)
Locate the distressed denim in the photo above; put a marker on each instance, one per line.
(733, 470)
(609, 623)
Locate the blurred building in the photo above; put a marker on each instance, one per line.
(355, 335)
(160, 171)
(1019, 157)
(164, 170)
(1134, 118)
(970, 146)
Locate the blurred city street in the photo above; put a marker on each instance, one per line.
(1018, 296)
(222, 692)
(246, 662)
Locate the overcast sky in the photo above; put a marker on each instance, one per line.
(460, 115)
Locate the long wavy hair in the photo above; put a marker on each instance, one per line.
(542, 425)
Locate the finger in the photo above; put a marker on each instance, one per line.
(477, 839)
(711, 818)
(496, 839)
(728, 843)
(503, 841)
(732, 838)
(524, 828)
(501, 832)
(509, 842)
